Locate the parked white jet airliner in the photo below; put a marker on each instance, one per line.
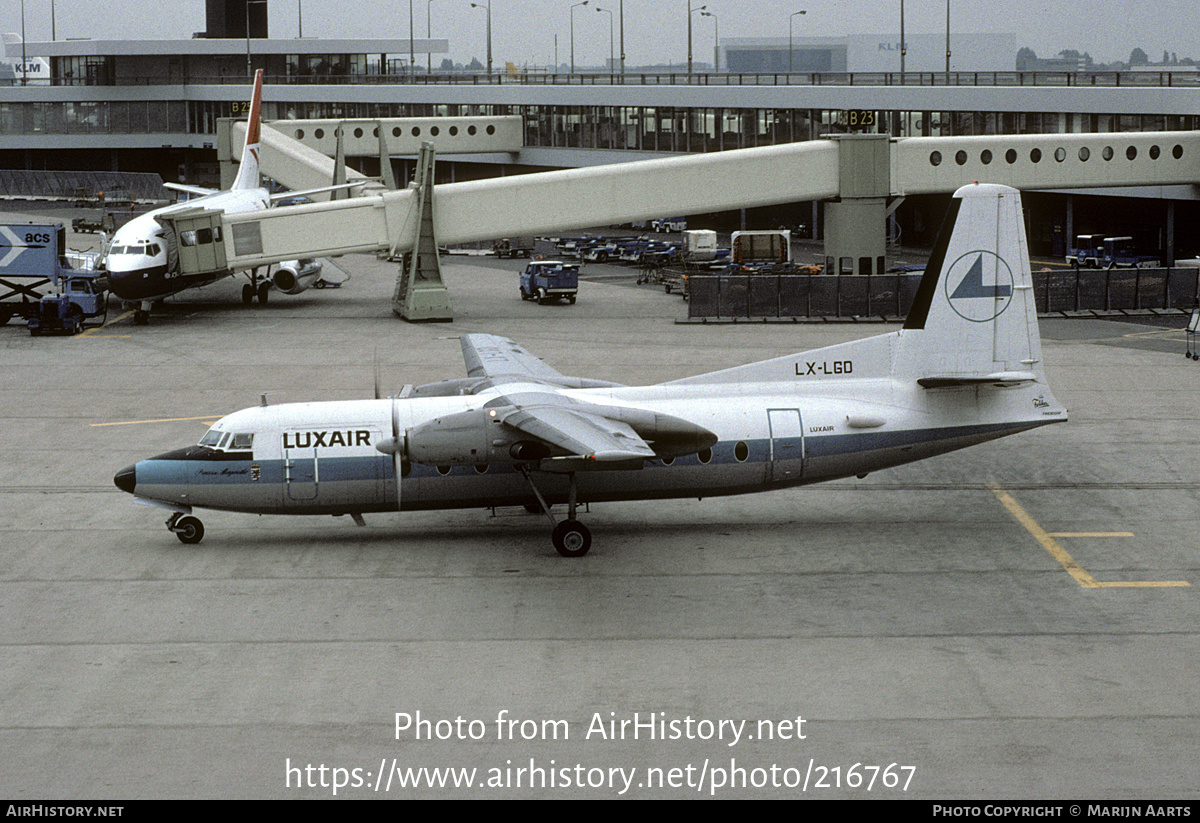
(142, 261)
(965, 368)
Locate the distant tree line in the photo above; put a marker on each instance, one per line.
(1072, 60)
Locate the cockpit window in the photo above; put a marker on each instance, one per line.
(215, 439)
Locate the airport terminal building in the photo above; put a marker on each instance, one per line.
(153, 106)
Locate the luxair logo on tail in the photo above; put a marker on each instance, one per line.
(979, 286)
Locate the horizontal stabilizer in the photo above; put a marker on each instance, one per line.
(199, 191)
(1004, 378)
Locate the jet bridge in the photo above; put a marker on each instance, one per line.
(863, 176)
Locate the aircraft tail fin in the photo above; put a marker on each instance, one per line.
(248, 173)
(974, 319)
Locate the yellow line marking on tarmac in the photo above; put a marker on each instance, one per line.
(212, 417)
(1060, 554)
(1090, 534)
(119, 318)
(1153, 333)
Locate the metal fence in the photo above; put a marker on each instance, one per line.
(729, 296)
(81, 185)
(1122, 79)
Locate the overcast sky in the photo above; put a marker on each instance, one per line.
(524, 31)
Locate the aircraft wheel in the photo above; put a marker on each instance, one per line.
(571, 300)
(189, 530)
(247, 294)
(141, 317)
(264, 289)
(571, 538)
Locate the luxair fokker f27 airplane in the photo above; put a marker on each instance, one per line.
(142, 260)
(965, 368)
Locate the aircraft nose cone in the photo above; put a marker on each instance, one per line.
(126, 479)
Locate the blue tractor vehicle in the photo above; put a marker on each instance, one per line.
(546, 280)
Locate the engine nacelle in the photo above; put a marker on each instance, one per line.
(470, 439)
(294, 276)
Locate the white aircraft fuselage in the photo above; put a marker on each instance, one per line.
(137, 257)
(139, 261)
(320, 458)
(966, 368)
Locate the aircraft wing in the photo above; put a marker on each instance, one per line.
(490, 356)
(578, 430)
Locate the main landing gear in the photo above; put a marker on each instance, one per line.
(570, 537)
(259, 287)
(187, 528)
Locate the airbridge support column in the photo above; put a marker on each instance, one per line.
(855, 223)
(420, 292)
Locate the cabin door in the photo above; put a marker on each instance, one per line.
(300, 473)
(786, 459)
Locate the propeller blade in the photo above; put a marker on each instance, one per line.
(398, 454)
(377, 375)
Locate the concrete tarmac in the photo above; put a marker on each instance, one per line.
(926, 632)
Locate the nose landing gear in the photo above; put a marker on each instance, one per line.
(187, 528)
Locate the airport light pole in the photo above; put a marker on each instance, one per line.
(24, 56)
(577, 5)
(611, 66)
(791, 17)
(716, 38)
(691, 10)
(621, 14)
(428, 36)
(903, 45)
(947, 42)
(249, 3)
(487, 6)
(412, 52)
(300, 19)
